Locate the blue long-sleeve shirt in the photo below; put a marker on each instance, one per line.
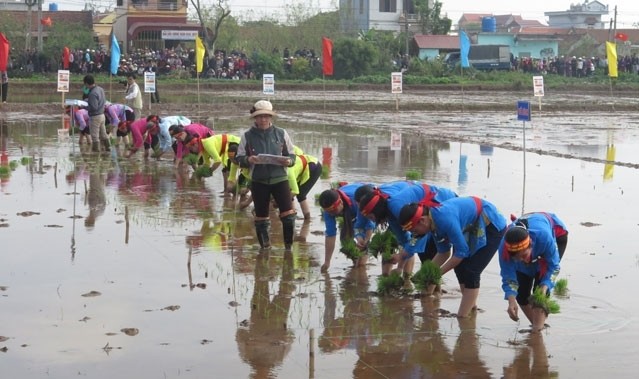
(459, 223)
(165, 140)
(415, 194)
(361, 223)
(543, 229)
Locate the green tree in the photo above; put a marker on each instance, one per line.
(430, 19)
(65, 34)
(211, 18)
(352, 58)
(267, 63)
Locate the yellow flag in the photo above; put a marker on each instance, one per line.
(199, 54)
(611, 52)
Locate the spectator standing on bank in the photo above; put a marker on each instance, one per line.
(96, 100)
(133, 96)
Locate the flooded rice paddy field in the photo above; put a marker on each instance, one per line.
(125, 268)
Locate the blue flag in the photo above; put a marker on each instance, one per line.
(464, 48)
(115, 54)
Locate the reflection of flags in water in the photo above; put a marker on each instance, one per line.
(609, 168)
(115, 54)
(462, 179)
(611, 53)
(464, 49)
(199, 54)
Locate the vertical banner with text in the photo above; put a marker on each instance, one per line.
(268, 84)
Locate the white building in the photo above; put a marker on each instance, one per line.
(582, 16)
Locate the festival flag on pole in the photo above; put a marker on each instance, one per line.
(327, 56)
(115, 54)
(464, 49)
(4, 52)
(65, 58)
(621, 36)
(199, 54)
(611, 53)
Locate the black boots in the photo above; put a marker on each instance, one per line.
(262, 229)
(288, 230)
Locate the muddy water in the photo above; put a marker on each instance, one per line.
(125, 268)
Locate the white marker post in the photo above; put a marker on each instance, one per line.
(538, 88)
(523, 114)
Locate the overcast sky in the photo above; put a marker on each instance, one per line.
(627, 10)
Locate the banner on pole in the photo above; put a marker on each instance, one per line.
(268, 84)
(149, 82)
(538, 86)
(63, 80)
(396, 82)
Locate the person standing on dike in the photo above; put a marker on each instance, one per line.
(268, 174)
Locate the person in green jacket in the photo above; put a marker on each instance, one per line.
(267, 151)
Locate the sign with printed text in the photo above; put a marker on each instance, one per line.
(182, 35)
(396, 141)
(523, 110)
(63, 80)
(396, 82)
(268, 84)
(538, 86)
(149, 82)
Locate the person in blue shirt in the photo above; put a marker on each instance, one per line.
(159, 128)
(529, 258)
(472, 227)
(386, 209)
(341, 202)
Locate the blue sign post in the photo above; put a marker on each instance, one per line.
(523, 110)
(523, 114)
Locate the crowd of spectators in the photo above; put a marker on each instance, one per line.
(238, 65)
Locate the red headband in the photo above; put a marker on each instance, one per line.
(514, 248)
(373, 202)
(334, 206)
(419, 212)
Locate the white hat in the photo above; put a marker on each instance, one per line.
(262, 107)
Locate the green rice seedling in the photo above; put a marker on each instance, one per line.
(190, 159)
(429, 273)
(26, 160)
(387, 285)
(413, 175)
(203, 172)
(561, 287)
(539, 299)
(350, 249)
(5, 171)
(13, 165)
(383, 244)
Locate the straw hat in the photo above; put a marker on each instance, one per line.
(262, 107)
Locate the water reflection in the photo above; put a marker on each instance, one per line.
(531, 360)
(265, 339)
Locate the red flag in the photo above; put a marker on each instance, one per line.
(327, 56)
(621, 36)
(65, 58)
(4, 52)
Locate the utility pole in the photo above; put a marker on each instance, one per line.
(39, 26)
(30, 3)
